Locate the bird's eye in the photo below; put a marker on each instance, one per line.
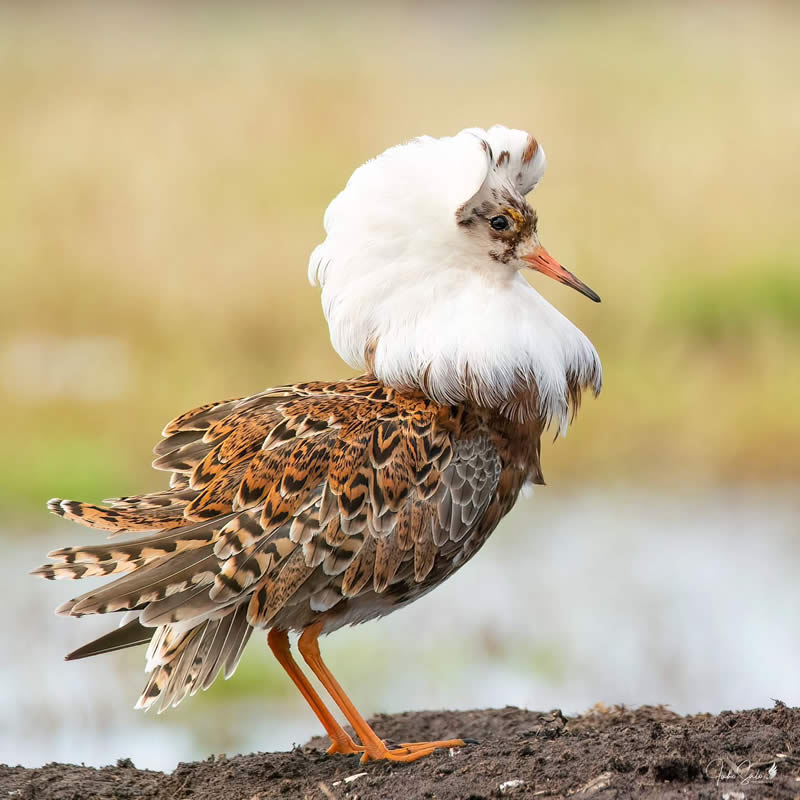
(499, 223)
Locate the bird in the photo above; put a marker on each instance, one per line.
(308, 507)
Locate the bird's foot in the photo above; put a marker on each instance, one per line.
(344, 746)
(408, 751)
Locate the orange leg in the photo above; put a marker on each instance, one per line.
(374, 747)
(340, 741)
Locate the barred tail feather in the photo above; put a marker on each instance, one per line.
(165, 585)
(109, 559)
(149, 512)
(164, 577)
(183, 662)
(181, 658)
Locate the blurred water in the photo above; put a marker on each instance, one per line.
(687, 600)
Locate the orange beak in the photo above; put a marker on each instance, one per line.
(540, 260)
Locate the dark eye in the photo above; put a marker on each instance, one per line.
(499, 223)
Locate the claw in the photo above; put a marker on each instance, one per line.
(409, 751)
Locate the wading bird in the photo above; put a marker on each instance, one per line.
(309, 507)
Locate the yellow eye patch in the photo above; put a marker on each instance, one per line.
(515, 215)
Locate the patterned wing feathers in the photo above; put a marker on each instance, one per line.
(182, 661)
(281, 483)
(109, 559)
(242, 532)
(294, 499)
(388, 557)
(340, 557)
(190, 605)
(468, 484)
(270, 598)
(241, 570)
(349, 478)
(422, 534)
(361, 569)
(404, 527)
(162, 578)
(186, 457)
(199, 419)
(124, 518)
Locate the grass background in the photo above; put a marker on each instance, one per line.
(165, 169)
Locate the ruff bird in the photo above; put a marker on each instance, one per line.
(308, 507)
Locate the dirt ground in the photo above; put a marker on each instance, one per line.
(647, 752)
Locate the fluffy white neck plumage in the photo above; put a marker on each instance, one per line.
(410, 294)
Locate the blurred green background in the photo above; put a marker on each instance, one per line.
(164, 169)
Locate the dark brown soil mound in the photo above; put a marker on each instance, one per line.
(649, 752)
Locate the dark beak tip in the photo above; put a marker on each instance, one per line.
(590, 293)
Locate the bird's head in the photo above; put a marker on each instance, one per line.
(498, 217)
(421, 279)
